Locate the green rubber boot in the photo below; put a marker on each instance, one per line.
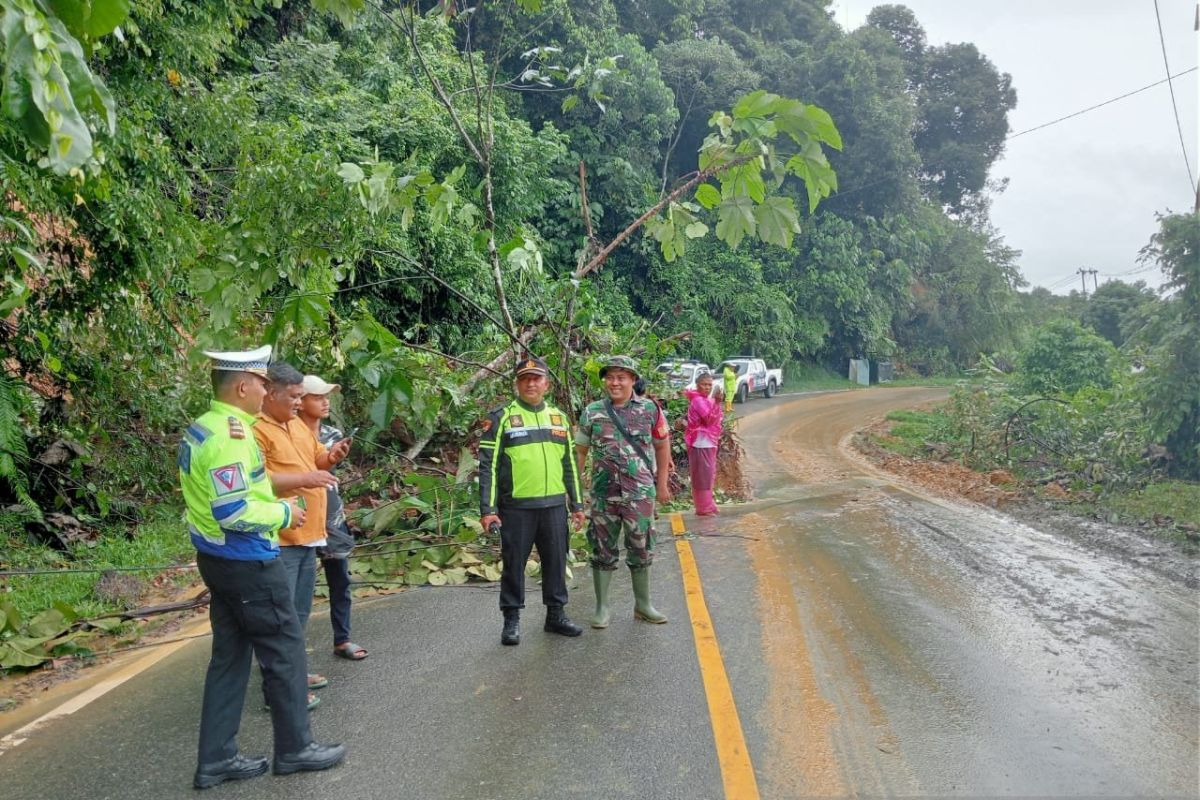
(601, 580)
(641, 593)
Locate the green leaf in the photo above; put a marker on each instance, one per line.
(811, 166)
(455, 576)
(826, 131)
(351, 173)
(90, 19)
(48, 624)
(744, 180)
(48, 86)
(298, 312)
(344, 10)
(105, 16)
(708, 195)
(455, 175)
(11, 657)
(695, 230)
(107, 624)
(777, 220)
(380, 411)
(735, 220)
(756, 104)
(569, 102)
(722, 122)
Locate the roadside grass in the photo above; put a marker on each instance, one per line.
(932, 380)
(1178, 501)
(160, 540)
(1165, 504)
(799, 376)
(912, 430)
(803, 376)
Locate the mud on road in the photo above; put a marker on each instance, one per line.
(936, 646)
(1174, 558)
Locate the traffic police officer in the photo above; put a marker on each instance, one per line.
(622, 430)
(527, 482)
(234, 520)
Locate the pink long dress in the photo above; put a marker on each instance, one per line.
(702, 436)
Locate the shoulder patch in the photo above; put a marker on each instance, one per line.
(236, 429)
(487, 424)
(516, 421)
(228, 479)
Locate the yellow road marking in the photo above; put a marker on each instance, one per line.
(737, 773)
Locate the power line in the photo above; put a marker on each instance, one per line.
(1010, 137)
(1166, 80)
(1175, 106)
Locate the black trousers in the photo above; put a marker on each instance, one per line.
(252, 610)
(522, 528)
(337, 574)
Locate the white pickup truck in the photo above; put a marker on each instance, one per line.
(752, 376)
(682, 374)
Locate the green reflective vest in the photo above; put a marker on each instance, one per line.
(232, 511)
(526, 459)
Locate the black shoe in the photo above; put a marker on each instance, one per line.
(511, 634)
(557, 622)
(312, 758)
(237, 768)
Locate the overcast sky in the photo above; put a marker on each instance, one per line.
(1082, 193)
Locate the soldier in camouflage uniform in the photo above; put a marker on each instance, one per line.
(626, 480)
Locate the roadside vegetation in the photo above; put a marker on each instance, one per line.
(1171, 505)
(1103, 416)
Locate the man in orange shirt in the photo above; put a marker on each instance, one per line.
(298, 466)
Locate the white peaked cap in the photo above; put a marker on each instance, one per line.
(255, 361)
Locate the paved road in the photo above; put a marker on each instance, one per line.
(875, 642)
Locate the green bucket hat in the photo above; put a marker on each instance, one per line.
(620, 362)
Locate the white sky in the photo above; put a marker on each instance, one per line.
(1082, 193)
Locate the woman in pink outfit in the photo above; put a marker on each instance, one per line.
(702, 436)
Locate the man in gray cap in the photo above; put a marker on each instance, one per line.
(234, 520)
(527, 482)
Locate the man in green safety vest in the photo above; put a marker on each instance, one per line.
(729, 377)
(234, 520)
(527, 483)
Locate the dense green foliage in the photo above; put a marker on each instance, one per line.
(1063, 357)
(398, 195)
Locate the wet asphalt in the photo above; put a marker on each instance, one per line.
(877, 641)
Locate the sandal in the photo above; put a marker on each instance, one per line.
(317, 681)
(350, 651)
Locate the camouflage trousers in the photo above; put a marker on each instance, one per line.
(610, 521)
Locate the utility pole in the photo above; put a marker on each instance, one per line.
(1083, 279)
(1095, 285)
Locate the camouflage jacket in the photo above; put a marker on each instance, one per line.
(618, 473)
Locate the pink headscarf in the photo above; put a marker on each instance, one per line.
(704, 416)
